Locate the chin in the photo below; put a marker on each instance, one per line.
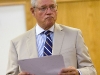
(50, 24)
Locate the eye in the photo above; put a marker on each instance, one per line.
(43, 8)
(52, 7)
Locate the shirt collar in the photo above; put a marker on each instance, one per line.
(40, 30)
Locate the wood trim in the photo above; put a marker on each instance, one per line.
(74, 0)
(26, 4)
(6, 3)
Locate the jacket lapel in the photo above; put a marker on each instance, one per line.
(31, 43)
(58, 40)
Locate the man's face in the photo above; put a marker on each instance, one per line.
(45, 13)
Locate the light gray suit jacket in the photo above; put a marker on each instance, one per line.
(67, 41)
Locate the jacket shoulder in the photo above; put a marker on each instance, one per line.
(24, 36)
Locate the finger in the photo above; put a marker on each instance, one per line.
(70, 68)
(65, 70)
(73, 70)
(62, 74)
(24, 73)
(68, 71)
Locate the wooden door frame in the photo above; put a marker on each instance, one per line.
(26, 4)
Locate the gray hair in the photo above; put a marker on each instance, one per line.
(33, 2)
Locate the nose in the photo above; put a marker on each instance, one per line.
(49, 11)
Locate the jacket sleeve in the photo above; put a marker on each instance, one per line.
(85, 65)
(12, 68)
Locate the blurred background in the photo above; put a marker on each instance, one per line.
(16, 18)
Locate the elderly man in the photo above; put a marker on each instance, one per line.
(63, 40)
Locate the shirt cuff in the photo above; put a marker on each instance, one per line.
(80, 72)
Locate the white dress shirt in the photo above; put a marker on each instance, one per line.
(41, 38)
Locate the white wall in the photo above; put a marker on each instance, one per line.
(12, 24)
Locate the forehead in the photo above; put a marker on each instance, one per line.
(45, 2)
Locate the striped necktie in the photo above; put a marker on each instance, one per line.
(48, 44)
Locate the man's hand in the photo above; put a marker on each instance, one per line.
(25, 73)
(69, 71)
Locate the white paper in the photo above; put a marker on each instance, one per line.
(47, 65)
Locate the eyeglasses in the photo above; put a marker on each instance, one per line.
(45, 8)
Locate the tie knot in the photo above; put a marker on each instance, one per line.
(47, 33)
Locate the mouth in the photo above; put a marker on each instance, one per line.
(49, 17)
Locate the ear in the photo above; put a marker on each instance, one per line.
(32, 10)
